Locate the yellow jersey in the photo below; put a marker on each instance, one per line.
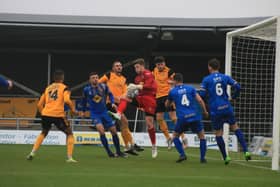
(116, 84)
(162, 78)
(53, 99)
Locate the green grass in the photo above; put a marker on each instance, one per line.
(96, 169)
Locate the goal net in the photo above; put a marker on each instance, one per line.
(252, 59)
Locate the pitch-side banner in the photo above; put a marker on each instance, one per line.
(58, 138)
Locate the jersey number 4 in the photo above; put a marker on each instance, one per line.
(185, 100)
(53, 94)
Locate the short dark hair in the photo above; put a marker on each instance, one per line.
(58, 75)
(139, 61)
(178, 77)
(116, 61)
(159, 59)
(214, 64)
(93, 73)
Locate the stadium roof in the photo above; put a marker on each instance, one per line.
(81, 33)
(63, 20)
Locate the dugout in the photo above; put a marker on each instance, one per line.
(32, 46)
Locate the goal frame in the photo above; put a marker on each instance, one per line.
(276, 99)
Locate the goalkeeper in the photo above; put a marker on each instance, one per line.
(142, 94)
(117, 84)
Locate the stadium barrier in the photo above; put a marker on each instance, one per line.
(23, 135)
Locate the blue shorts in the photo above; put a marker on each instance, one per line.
(218, 121)
(102, 118)
(182, 125)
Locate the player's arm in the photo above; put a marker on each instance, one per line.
(169, 100)
(103, 79)
(202, 90)
(67, 100)
(202, 104)
(41, 102)
(111, 97)
(6, 83)
(171, 75)
(236, 87)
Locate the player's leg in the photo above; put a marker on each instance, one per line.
(148, 103)
(160, 110)
(217, 124)
(110, 124)
(123, 128)
(164, 128)
(126, 134)
(100, 128)
(116, 141)
(179, 147)
(121, 108)
(63, 125)
(46, 126)
(239, 134)
(149, 118)
(173, 117)
(198, 127)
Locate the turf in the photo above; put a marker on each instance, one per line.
(96, 169)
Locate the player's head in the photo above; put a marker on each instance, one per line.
(139, 65)
(178, 78)
(117, 67)
(93, 78)
(213, 65)
(58, 75)
(160, 62)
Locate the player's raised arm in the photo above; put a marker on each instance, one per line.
(104, 79)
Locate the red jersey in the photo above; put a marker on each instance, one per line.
(146, 78)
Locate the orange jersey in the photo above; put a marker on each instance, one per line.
(53, 99)
(162, 78)
(116, 83)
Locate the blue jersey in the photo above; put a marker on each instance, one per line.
(215, 85)
(3, 82)
(184, 97)
(96, 97)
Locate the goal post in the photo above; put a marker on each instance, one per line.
(253, 59)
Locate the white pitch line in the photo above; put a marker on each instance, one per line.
(234, 161)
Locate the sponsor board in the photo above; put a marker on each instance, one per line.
(29, 137)
(142, 139)
(93, 138)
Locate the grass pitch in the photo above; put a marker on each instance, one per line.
(94, 168)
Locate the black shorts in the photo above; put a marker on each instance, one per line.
(60, 122)
(161, 105)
